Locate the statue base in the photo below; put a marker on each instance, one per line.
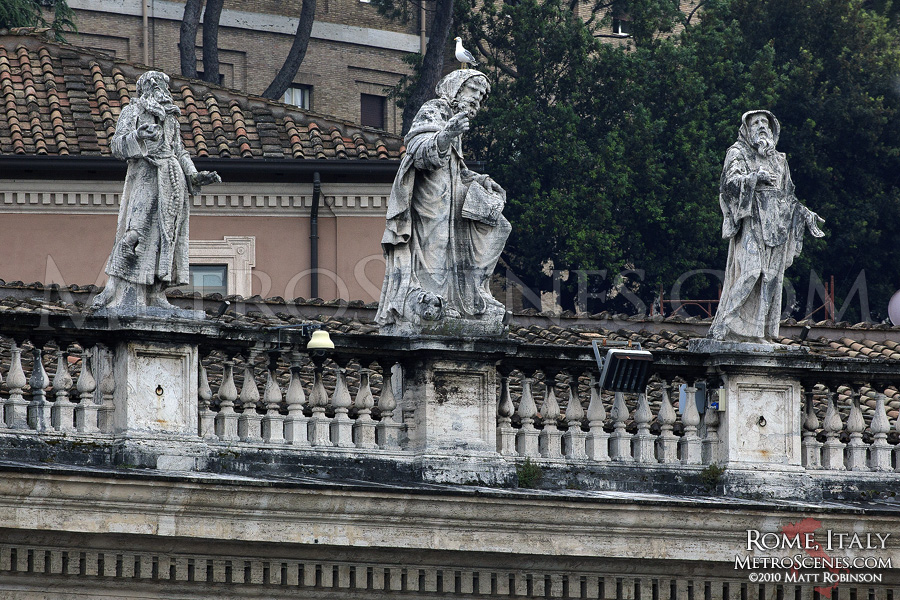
(711, 346)
(493, 323)
(152, 312)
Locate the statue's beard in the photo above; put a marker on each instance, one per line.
(763, 143)
(160, 103)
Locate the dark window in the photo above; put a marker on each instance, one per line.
(221, 77)
(298, 95)
(371, 110)
(621, 27)
(208, 279)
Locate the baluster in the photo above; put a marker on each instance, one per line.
(667, 442)
(207, 418)
(597, 442)
(341, 424)
(856, 449)
(620, 441)
(296, 424)
(574, 437)
(39, 408)
(833, 452)
(388, 430)
(897, 447)
(691, 447)
(506, 435)
(527, 438)
(643, 441)
(880, 455)
(364, 428)
(249, 421)
(86, 411)
(549, 440)
(62, 413)
(227, 419)
(273, 421)
(811, 448)
(318, 399)
(106, 418)
(16, 406)
(710, 445)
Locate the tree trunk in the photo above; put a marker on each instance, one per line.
(211, 40)
(188, 39)
(432, 63)
(294, 58)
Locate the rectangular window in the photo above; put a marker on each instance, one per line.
(371, 110)
(298, 95)
(621, 27)
(221, 77)
(208, 279)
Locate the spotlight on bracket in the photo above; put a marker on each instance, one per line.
(318, 342)
(625, 368)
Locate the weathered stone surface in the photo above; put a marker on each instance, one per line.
(151, 248)
(445, 229)
(764, 223)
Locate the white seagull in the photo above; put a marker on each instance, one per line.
(464, 56)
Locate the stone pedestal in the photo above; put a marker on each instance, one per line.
(455, 405)
(156, 393)
(761, 422)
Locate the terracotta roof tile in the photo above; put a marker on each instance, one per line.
(57, 99)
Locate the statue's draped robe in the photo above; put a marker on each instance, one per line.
(764, 225)
(427, 244)
(155, 201)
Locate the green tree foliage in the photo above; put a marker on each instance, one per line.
(28, 13)
(611, 154)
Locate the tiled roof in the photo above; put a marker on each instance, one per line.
(61, 100)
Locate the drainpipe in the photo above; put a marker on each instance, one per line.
(146, 25)
(422, 29)
(314, 238)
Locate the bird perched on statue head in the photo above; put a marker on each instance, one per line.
(464, 56)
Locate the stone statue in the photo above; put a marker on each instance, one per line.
(764, 223)
(445, 228)
(150, 253)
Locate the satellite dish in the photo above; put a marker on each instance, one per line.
(894, 308)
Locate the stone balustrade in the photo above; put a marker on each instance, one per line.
(194, 392)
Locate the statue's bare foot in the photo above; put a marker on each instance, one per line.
(157, 297)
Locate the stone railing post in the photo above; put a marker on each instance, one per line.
(527, 438)
(574, 438)
(620, 441)
(86, 411)
(856, 449)
(597, 442)
(16, 405)
(364, 427)
(643, 441)
(227, 419)
(273, 420)
(249, 421)
(691, 446)
(39, 409)
(207, 419)
(106, 418)
(710, 448)
(667, 442)
(549, 440)
(388, 430)
(506, 435)
(341, 425)
(319, 424)
(62, 413)
(811, 448)
(833, 451)
(880, 454)
(296, 424)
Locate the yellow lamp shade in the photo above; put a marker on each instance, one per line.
(320, 340)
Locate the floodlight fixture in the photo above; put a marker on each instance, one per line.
(625, 368)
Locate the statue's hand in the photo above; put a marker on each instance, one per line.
(149, 131)
(457, 125)
(764, 176)
(202, 178)
(812, 222)
(493, 186)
